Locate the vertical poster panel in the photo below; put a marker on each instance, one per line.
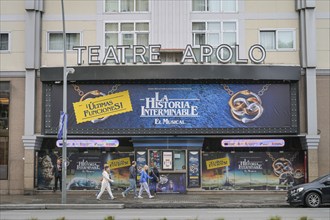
(141, 160)
(155, 157)
(193, 169)
(46, 162)
(167, 160)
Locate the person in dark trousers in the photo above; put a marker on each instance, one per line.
(57, 172)
(132, 181)
(154, 173)
(143, 182)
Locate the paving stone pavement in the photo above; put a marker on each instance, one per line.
(86, 199)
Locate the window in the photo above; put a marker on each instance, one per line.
(214, 5)
(4, 129)
(55, 41)
(278, 39)
(4, 41)
(179, 160)
(126, 5)
(214, 33)
(127, 33)
(170, 57)
(168, 160)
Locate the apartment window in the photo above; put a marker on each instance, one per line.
(4, 129)
(4, 41)
(214, 33)
(170, 57)
(127, 33)
(214, 5)
(55, 41)
(126, 5)
(278, 39)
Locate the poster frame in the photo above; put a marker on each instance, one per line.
(190, 185)
(145, 152)
(50, 120)
(169, 157)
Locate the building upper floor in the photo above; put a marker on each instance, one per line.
(172, 24)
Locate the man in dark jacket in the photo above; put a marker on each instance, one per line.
(132, 180)
(155, 174)
(57, 172)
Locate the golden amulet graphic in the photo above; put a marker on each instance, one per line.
(282, 165)
(245, 106)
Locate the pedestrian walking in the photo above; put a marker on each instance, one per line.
(105, 183)
(57, 172)
(143, 182)
(132, 181)
(154, 173)
(110, 177)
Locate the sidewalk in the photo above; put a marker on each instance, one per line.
(87, 200)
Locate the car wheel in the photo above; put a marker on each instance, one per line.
(313, 200)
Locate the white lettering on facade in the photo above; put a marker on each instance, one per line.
(119, 55)
(156, 107)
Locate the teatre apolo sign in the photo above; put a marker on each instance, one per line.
(151, 54)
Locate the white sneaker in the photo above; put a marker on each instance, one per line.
(123, 194)
(140, 197)
(150, 197)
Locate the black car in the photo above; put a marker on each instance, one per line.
(311, 194)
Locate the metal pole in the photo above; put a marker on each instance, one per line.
(64, 153)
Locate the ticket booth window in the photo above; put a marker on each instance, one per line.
(180, 160)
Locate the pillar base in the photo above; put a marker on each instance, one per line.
(312, 144)
(31, 145)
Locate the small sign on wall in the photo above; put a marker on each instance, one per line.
(167, 160)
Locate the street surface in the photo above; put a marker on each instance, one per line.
(171, 214)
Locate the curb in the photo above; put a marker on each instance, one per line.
(202, 206)
(22, 207)
(138, 206)
(59, 206)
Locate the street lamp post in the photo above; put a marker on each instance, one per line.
(64, 153)
(66, 71)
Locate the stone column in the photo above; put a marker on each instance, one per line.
(306, 9)
(31, 141)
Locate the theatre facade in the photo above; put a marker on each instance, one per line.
(219, 95)
(206, 127)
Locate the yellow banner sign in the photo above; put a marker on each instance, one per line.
(217, 163)
(118, 163)
(102, 107)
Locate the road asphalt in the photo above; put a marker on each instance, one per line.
(87, 200)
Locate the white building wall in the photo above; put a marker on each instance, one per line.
(12, 21)
(323, 35)
(170, 23)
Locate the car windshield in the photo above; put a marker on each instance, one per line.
(321, 177)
